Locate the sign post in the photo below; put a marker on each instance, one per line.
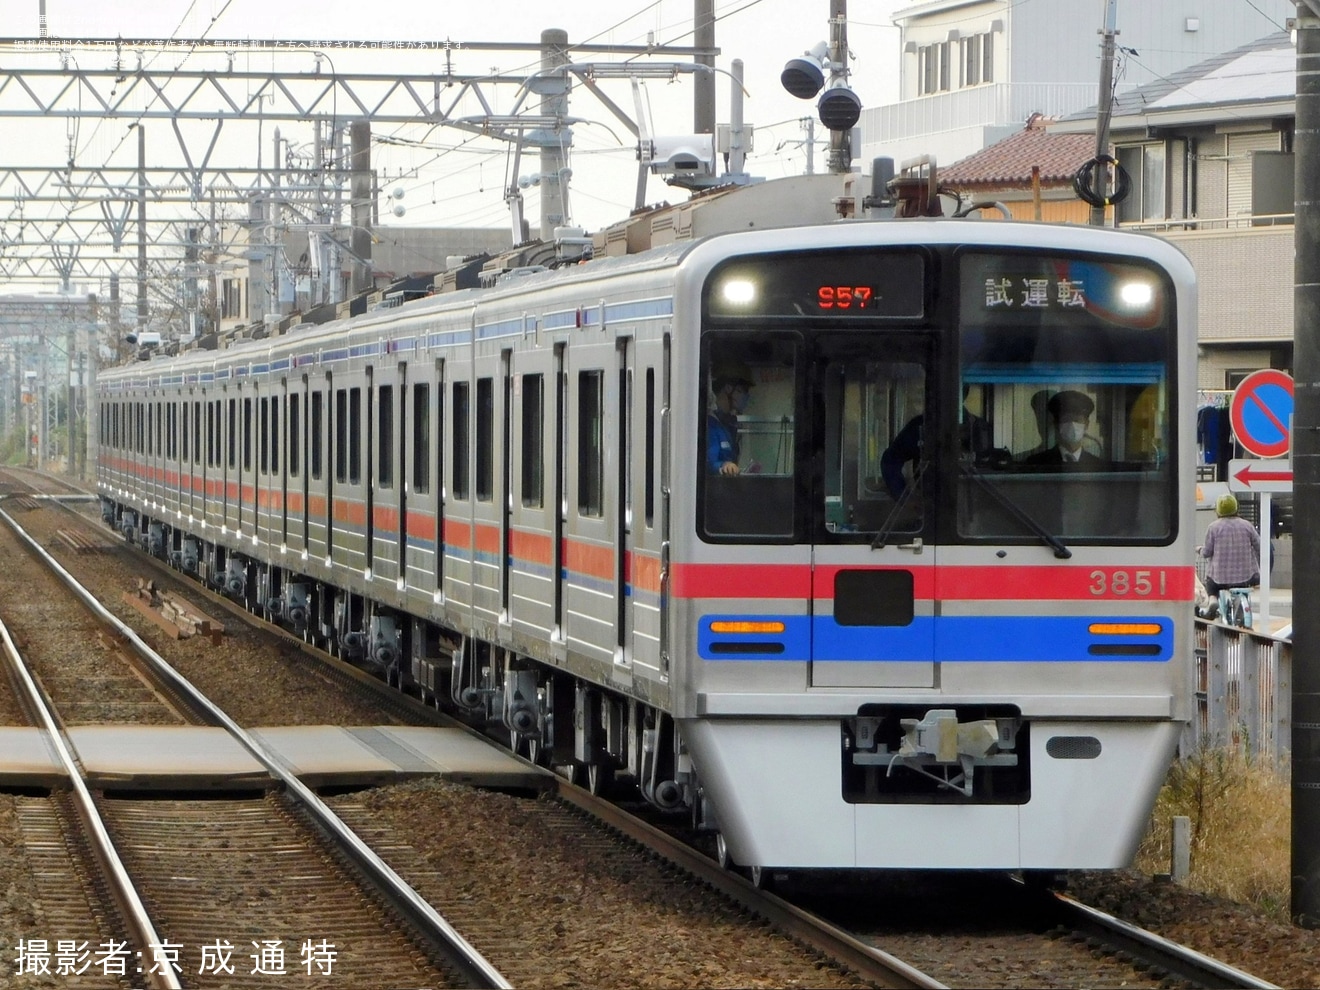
(1261, 412)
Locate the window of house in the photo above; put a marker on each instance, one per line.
(1145, 166)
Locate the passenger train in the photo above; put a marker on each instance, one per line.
(898, 632)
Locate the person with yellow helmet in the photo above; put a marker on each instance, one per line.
(1232, 546)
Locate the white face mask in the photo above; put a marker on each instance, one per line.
(1071, 433)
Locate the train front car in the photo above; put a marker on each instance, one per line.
(936, 579)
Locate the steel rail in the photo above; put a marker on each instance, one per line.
(129, 902)
(871, 963)
(401, 896)
(1188, 964)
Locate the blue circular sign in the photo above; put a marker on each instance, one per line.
(1261, 412)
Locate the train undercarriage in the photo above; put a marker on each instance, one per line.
(602, 739)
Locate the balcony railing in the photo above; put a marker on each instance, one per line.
(994, 103)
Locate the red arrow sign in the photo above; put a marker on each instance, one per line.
(1251, 477)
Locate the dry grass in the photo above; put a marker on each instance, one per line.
(1241, 828)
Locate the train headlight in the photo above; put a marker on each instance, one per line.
(1137, 295)
(738, 292)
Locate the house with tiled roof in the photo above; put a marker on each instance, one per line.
(1029, 173)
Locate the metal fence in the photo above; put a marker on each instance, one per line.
(1243, 693)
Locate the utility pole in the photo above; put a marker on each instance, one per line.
(840, 154)
(359, 210)
(1104, 111)
(142, 308)
(1305, 908)
(554, 103)
(70, 395)
(703, 83)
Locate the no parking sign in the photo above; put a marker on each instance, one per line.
(1261, 412)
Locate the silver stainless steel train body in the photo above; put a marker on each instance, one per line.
(867, 542)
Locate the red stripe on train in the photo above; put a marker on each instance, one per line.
(972, 583)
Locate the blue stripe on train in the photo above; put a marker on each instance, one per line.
(950, 638)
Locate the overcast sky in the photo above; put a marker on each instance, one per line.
(446, 185)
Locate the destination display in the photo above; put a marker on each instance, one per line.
(837, 284)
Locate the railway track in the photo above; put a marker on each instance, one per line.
(1073, 952)
(166, 821)
(198, 881)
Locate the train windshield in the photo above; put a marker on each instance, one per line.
(1034, 405)
(1066, 364)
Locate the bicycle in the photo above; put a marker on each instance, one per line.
(1235, 607)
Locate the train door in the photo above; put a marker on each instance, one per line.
(624, 542)
(386, 502)
(872, 576)
(457, 564)
(505, 481)
(249, 483)
(644, 534)
(265, 464)
(233, 446)
(417, 534)
(559, 508)
(401, 447)
(591, 568)
(488, 464)
(533, 577)
(214, 480)
(295, 498)
(319, 468)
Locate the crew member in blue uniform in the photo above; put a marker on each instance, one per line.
(732, 387)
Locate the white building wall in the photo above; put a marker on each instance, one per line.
(1047, 60)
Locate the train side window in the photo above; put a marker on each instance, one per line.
(247, 434)
(485, 439)
(263, 435)
(649, 470)
(385, 434)
(533, 441)
(275, 435)
(421, 437)
(294, 421)
(341, 434)
(460, 440)
(354, 436)
(317, 434)
(231, 434)
(746, 448)
(197, 432)
(186, 433)
(440, 431)
(590, 443)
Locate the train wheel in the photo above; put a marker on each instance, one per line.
(762, 877)
(722, 853)
(600, 778)
(569, 771)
